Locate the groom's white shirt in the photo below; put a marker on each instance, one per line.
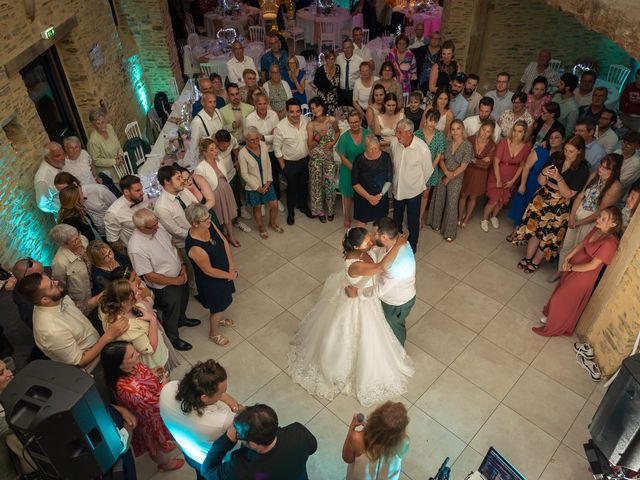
(397, 284)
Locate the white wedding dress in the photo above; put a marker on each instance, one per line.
(345, 345)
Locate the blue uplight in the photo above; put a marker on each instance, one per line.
(139, 87)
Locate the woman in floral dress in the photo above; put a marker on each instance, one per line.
(404, 63)
(322, 135)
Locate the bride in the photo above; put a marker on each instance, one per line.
(345, 345)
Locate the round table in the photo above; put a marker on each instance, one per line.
(248, 16)
(431, 22)
(309, 21)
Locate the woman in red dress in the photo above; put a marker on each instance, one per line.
(137, 388)
(580, 271)
(508, 164)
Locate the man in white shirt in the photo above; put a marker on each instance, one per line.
(118, 220)
(46, 193)
(584, 92)
(172, 202)
(396, 286)
(292, 152)
(155, 257)
(604, 133)
(501, 96)
(349, 73)
(238, 63)
(458, 104)
(539, 68)
(195, 409)
(419, 40)
(266, 120)
(360, 49)
(412, 167)
(78, 162)
(205, 124)
(472, 124)
(472, 95)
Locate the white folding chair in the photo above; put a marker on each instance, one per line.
(174, 88)
(189, 25)
(132, 130)
(189, 67)
(365, 35)
(327, 34)
(304, 109)
(302, 62)
(139, 156)
(257, 34)
(405, 98)
(555, 65)
(297, 33)
(617, 75)
(125, 168)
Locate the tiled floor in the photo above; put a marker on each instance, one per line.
(482, 377)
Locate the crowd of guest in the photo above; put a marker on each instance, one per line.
(422, 143)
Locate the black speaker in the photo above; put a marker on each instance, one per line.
(58, 415)
(615, 427)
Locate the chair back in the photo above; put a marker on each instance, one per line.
(405, 98)
(327, 34)
(305, 110)
(132, 130)
(207, 69)
(189, 67)
(302, 62)
(189, 25)
(555, 65)
(365, 36)
(125, 168)
(617, 75)
(192, 40)
(257, 34)
(174, 88)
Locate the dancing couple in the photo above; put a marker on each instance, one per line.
(351, 341)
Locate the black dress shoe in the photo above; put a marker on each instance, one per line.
(290, 219)
(181, 345)
(189, 322)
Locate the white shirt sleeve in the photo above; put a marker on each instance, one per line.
(169, 222)
(111, 227)
(278, 139)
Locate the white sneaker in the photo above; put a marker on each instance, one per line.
(495, 222)
(484, 225)
(280, 206)
(543, 320)
(591, 367)
(244, 214)
(584, 349)
(243, 226)
(262, 210)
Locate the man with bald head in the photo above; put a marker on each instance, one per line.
(205, 124)
(206, 86)
(238, 63)
(46, 193)
(539, 68)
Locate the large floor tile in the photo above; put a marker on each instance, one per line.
(544, 402)
(558, 361)
(274, 339)
(326, 463)
(526, 446)
(302, 307)
(579, 434)
(457, 404)
(468, 306)
(431, 443)
(473, 238)
(417, 312)
(252, 310)
(530, 300)
(291, 243)
(508, 255)
(258, 261)
(453, 259)
(203, 348)
(320, 261)
(287, 285)
(346, 406)
(427, 241)
(335, 239)
(512, 332)
(566, 465)
(317, 228)
(440, 336)
(489, 367)
(427, 369)
(432, 283)
(495, 281)
(468, 461)
(247, 371)
(290, 401)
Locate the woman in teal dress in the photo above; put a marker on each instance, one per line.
(434, 138)
(349, 146)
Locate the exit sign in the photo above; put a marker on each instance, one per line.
(49, 33)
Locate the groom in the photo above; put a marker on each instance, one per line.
(396, 287)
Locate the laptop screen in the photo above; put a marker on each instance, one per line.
(496, 467)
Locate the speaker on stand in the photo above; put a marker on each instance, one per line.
(56, 412)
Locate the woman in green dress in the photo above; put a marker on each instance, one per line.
(350, 145)
(434, 138)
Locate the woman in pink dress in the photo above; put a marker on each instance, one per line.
(580, 271)
(137, 388)
(508, 163)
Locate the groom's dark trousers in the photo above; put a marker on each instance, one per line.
(396, 316)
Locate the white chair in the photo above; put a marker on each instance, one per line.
(302, 62)
(189, 25)
(132, 130)
(327, 34)
(207, 69)
(138, 155)
(617, 75)
(365, 35)
(405, 98)
(174, 88)
(297, 33)
(125, 168)
(257, 34)
(555, 65)
(304, 109)
(189, 65)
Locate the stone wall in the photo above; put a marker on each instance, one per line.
(121, 81)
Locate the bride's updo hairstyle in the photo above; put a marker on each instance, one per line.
(353, 239)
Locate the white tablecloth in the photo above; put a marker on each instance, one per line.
(379, 48)
(308, 20)
(248, 16)
(431, 22)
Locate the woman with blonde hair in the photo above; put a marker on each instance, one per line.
(376, 451)
(145, 332)
(104, 261)
(72, 212)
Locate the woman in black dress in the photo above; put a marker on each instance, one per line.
(327, 81)
(371, 177)
(213, 266)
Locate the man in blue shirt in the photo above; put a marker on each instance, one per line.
(458, 104)
(594, 152)
(275, 55)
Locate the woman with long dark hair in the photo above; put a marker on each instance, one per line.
(72, 212)
(443, 72)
